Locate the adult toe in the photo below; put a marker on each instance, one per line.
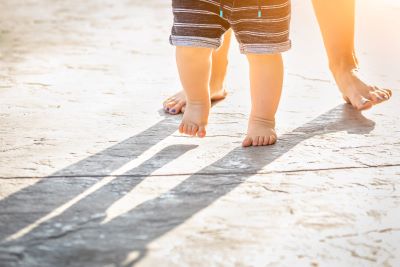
(382, 94)
(176, 109)
(166, 101)
(169, 105)
(385, 93)
(388, 91)
(376, 97)
(166, 105)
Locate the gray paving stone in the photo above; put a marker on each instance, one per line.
(93, 173)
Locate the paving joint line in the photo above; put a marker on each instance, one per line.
(366, 166)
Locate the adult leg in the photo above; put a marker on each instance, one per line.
(336, 20)
(176, 103)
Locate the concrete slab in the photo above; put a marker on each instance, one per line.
(93, 173)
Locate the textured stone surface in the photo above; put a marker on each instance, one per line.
(92, 173)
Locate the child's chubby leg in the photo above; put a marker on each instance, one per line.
(263, 35)
(176, 103)
(194, 66)
(266, 79)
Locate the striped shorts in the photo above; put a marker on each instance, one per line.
(260, 26)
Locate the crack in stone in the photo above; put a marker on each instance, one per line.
(15, 148)
(358, 184)
(39, 84)
(366, 232)
(205, 173)
(355, 254)
(212, 136)
(309, 79)
(225, 135)
(274, 190)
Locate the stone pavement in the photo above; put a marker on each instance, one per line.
(93, 173)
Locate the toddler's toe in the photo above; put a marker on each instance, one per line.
(272, 140)
(255, 141)
(247, 142)
(195, 130)
(266, 140)
(202, 132)
(261, 140)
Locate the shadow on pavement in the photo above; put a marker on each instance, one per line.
(79, 236)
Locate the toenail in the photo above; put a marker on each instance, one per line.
(167, 109)
(173, 110)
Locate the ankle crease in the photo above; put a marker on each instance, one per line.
(263, 121)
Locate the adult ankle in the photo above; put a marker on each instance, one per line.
(342, 66)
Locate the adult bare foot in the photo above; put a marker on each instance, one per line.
(177, 103)
(357, 93)
(195, 118)
(260, 132)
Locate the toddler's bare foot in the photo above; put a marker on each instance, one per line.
(195, 118)
(355, 92)
(260, 132)
(177, 103)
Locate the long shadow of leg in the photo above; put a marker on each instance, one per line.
(93, 206)
(26, 206)
(132, 232)
(201, 190)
